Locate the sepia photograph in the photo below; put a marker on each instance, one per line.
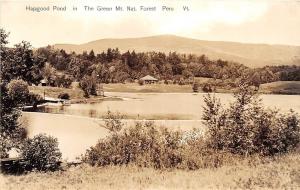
(149, 95)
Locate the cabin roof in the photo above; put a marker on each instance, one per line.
(43, 81)
(148, 77)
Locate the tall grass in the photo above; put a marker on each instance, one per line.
(281, 173)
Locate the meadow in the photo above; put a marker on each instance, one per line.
(280, 173)
(76, 94)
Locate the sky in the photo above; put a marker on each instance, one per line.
(249, 21)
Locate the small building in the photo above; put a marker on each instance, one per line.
(43, 82)
(149, 79)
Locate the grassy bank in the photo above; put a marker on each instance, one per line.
(282, 173)
(55, 91)
(149, 88)
(279, 87)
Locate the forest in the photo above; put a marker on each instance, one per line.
(60, 68)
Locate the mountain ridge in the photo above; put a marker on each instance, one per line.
(249, 54)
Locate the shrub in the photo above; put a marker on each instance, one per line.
(63, 81)
(34, 99)
(64, 96)
(144, 144)
(181, 82)
(3, 148)
(18, 91)
(113, 121)
(89, 85)
(246, 127)
(141, 82)
(207, 88)
(195, 87)
(41, 152)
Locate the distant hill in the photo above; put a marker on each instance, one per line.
(252, 55)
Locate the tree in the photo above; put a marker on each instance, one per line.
(64, 96)
(109, 55)
(18, 91)
(48, 72)
(89, 85)
(20, 63)
(207, 87)
(42, 152)
(195, 87)
(3, 42)
(11, 132)
(246, 127)
(187, 74)
(91, 56)
(3, 52)
(62, 80)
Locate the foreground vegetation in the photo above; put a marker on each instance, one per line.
(281, 173)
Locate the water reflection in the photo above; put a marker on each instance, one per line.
(163, 106)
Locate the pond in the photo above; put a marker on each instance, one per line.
(170, 106)
(78, 126)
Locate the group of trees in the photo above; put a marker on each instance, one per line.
(285, 72)
(246, 127)
(20, 66)
(20, 62)
(114, 66)
(10, 132)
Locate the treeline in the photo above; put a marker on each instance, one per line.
(113, 66)
(285, 72)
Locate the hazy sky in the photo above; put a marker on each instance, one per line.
(254, 21)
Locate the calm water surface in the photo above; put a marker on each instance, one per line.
(166, 105)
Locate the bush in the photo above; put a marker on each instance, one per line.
(34, 99)
(63, 81)
(181, 81)
(147, 145)
(195, 87)
(144, 144)
(141, 82)
(41, 152)
(18, 91)
(247, 128)
(89, 85)
(113, 122)
(207, 88)
(64, 96)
